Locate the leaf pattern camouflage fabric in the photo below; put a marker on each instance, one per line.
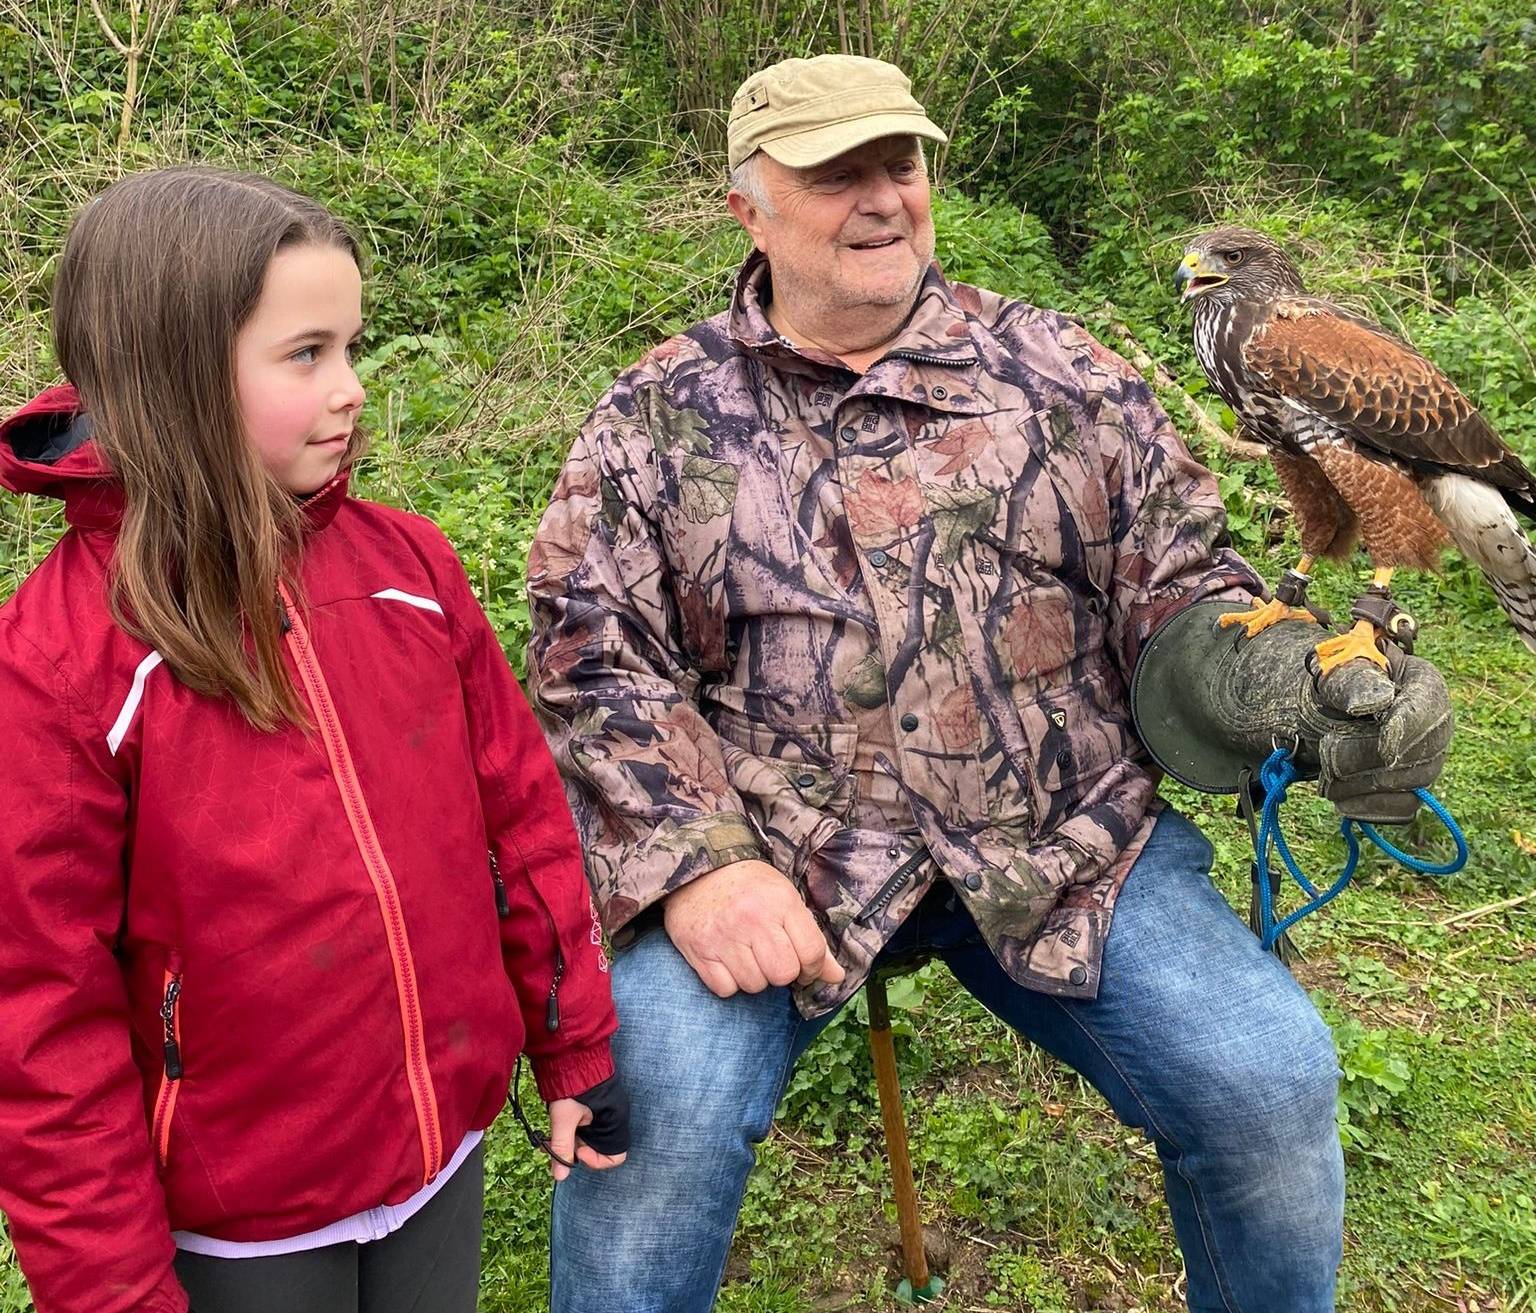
(875, 630)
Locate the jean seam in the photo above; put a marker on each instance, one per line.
(1200, 1207)
(741, 1199)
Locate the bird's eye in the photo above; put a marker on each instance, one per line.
(1234, 257)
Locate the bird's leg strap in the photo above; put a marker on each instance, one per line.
(1291, 591)
(1376, 607)
(1292, 588)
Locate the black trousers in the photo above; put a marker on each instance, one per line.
(430, 1265)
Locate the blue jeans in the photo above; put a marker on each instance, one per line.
(1198, 1038)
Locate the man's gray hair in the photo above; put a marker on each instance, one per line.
(747, 178)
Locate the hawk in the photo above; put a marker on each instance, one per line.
(1371, 441)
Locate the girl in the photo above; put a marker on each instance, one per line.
(287, 870)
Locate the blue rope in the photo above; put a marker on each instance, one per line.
(1276, 776)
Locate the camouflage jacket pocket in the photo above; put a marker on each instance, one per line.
(1075, 733)
(792, 777)
(698, 507)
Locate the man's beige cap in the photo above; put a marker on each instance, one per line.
(804, 112)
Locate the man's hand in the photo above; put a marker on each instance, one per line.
(743, 927)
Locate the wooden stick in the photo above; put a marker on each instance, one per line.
(1208, 428)
(883, 1049)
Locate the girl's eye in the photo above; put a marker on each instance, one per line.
(306, 355)
(354, 349)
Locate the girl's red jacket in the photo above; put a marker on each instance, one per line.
(252, 983)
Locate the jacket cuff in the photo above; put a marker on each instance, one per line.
(712, 842)
(705, 844)
(565, 1075)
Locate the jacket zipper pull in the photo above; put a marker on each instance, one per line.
(168, 1016)
(552, 1008)
(503, 906)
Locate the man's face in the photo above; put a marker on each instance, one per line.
(855, 231)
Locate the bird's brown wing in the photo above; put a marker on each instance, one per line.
(1380, 391)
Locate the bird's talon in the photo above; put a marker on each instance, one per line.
(1262, 615)
(1358, 642)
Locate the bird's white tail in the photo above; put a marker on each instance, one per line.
(1487, 532)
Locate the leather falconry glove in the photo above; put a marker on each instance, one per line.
(1209, 702)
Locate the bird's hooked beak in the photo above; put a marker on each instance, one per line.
(1194, 276)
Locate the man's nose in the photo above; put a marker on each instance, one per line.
(880, 195)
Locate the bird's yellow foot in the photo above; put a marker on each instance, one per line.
(1263, 614)
(1358, 642)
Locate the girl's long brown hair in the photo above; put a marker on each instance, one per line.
(157, 277)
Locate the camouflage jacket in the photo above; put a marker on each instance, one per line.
(871, 629)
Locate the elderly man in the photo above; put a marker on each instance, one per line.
(836, 609)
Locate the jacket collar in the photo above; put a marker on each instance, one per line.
(46, 449)
(933, 362)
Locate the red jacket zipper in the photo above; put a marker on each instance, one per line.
(170, 1079)
(418, 1075)
(504, 909)
(503, 905)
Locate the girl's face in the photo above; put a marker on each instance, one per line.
(297, 391)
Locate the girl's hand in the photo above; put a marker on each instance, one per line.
(566, 1117)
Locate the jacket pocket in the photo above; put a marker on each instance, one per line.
(171, 1073)
(1075, 734)
(698, 504)
(795, 778)
(504, 910)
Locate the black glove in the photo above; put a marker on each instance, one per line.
(608, 1131)
(1209, 702)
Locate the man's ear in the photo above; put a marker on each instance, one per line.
(747, 215)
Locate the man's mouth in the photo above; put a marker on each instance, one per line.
(874, 243)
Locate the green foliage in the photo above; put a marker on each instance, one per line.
(1374, 1075)
(1024, 1281)
(1000, 247)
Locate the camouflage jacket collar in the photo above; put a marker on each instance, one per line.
(933, 362)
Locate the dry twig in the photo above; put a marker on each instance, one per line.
(1465, 918)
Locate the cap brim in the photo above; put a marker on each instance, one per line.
(804, 150)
